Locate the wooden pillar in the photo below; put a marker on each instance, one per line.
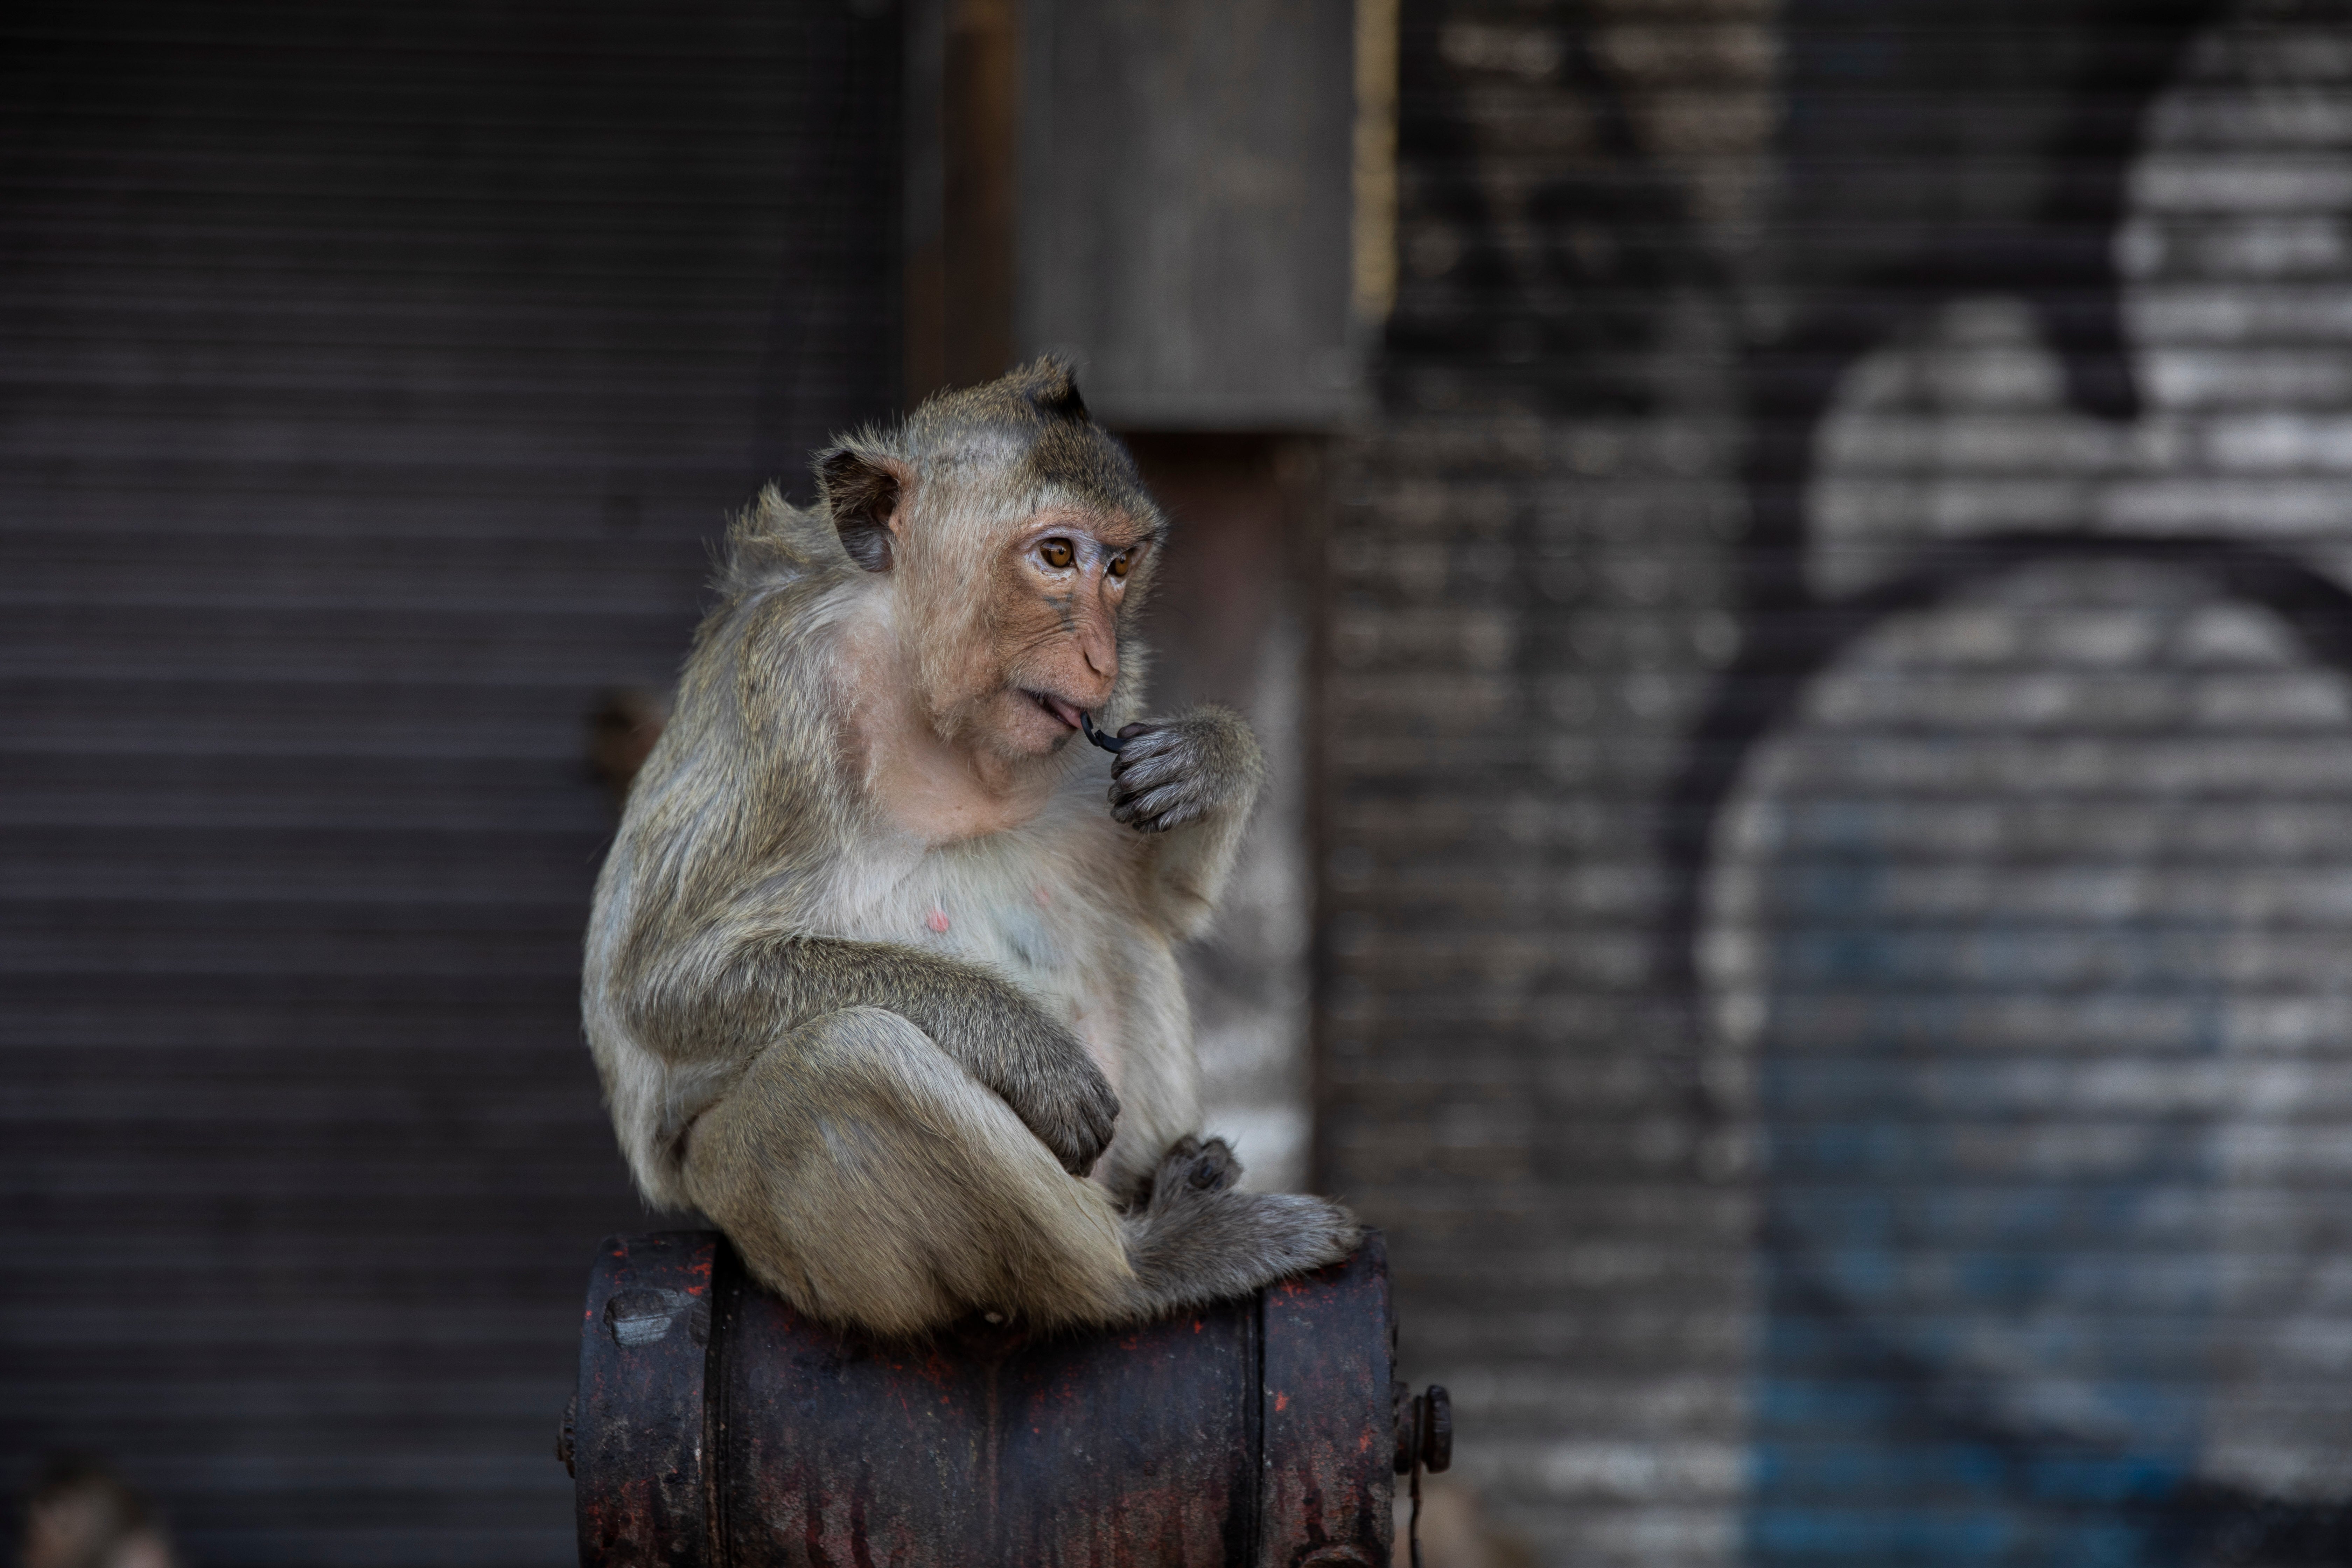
(963, 136)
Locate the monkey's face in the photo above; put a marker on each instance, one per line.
(1061, 583)
(1014, 535)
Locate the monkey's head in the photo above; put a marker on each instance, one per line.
(1015, 543)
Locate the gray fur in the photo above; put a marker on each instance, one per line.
(878, 1051)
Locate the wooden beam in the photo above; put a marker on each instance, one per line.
(963, 135)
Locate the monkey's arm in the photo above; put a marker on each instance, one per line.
(726, 995)
(1188, 784)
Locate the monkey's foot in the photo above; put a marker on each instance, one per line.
(1190, 1165)
(1291, 1231)
(1197, 1241)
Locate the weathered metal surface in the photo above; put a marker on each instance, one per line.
(641, 1487)
(988, 1447)
(1424, 1428)
(1256, 1433)
(1330, 1420)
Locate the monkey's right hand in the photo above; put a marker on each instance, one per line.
(1062, 1096)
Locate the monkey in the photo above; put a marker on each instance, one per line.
(880, 974)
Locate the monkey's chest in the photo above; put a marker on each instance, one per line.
(1066, 957)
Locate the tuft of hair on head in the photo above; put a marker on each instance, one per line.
(1027, 432)
(1042, 392)
(1051, 387)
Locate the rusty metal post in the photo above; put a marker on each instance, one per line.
(716, 1426)
(638, 1423)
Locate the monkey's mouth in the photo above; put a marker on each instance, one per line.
(1064, 712)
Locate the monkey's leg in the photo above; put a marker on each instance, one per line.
(868, 1179)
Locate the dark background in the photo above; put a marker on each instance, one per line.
(374, 379)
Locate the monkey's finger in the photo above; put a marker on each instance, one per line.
(1160, 768)
(1077, 1145)
(1172, 752)
(1083, 1123)
(1165, 809)
(1148, 746)
(1144, 749)
(1150, 809)
(1099, 1100)
(1159, 802)
(1176, 807)
(1125, 792)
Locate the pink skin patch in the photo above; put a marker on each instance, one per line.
(937, 921)
(1044, 895)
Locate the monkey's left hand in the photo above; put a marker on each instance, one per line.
(1176, 770)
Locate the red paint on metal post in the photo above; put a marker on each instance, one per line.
(640, 1487)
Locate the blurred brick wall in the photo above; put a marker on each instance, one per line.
(1835, 743)
(1530, 596)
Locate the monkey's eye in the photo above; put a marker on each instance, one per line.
(1119, 567)
(1058, 553)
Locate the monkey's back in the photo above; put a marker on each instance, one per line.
(728, 826)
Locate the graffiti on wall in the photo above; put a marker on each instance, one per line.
(2024, 895)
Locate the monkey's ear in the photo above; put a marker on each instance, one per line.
(861, 495)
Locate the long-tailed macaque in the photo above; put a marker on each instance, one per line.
(876, 978)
